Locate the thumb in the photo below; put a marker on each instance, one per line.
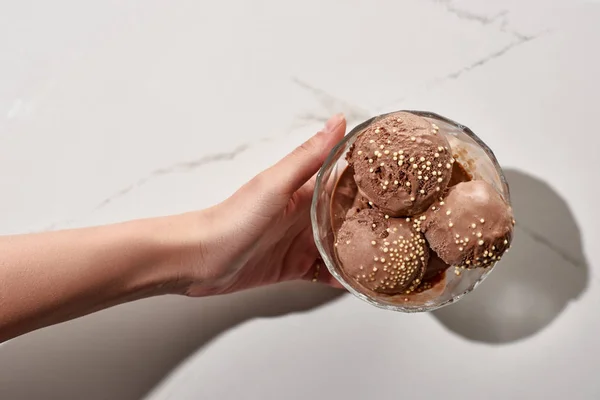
(294, 170)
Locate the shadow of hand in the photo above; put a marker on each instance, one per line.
(123, 352)
(544, 270)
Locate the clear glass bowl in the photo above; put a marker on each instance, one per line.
(474, 156)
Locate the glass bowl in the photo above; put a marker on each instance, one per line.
(472, 154)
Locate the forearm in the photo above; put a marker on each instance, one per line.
(52, 277)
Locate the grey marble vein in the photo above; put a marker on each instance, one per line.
(544, 241)
(502, 18)
(180, 167)
(463, 70)
(487, 58)
(468, 15)
(330, 105)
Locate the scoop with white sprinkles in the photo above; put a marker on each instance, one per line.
(383, 254)
(406, 150)
(471, 227)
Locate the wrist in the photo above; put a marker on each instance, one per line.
(185, 248)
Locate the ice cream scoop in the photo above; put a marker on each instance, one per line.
(471, 227)
(401, 163)
(383, 254)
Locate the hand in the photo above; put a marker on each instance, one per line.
(262, 234)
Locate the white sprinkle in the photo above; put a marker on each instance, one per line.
(407, 183)
(482, 220)
(450, 224)
(412, 138)
(448, 212)
(480, 243)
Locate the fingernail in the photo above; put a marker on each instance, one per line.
(333, 123)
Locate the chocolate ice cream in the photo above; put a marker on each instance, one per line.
(471, 227)
(401, 164)
(385, 255)
(404, 211)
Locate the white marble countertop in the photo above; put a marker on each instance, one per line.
(117, 110)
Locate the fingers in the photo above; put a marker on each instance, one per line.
(289, 174)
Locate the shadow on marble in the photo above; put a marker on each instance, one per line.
(544, 270)
(122, 353)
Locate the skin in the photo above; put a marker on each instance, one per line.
(261, 235)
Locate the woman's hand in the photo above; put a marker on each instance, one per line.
(258, 236)
(262, 234)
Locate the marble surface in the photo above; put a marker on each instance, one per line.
(115, 110)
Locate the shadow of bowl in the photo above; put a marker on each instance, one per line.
(544, 270)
